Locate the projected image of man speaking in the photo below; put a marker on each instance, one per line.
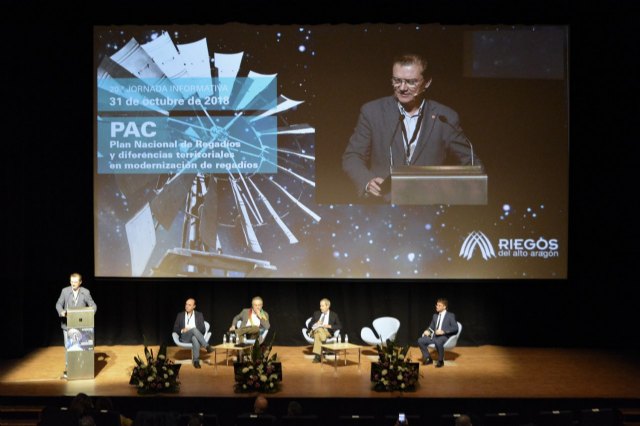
(404, 129)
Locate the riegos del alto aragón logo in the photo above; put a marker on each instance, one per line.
(477, 241)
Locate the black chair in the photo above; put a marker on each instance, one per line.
(105, 417)
(449, 419)
(357, 420)
(255, 420)
(310, 420)
(501, 419)
(413, 419)
(57, 416)
(599, 417)
(555, 418)
(153, 418)
(207, 419)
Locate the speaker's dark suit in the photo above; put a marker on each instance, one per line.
(66, 301)
(367, 154)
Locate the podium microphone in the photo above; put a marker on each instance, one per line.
(393, 137)
(446, 121)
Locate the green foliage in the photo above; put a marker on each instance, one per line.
(152, 375)
(394, 369)
(258, 371)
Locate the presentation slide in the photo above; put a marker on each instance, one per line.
(371, 151)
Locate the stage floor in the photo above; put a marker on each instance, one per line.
(470, 372)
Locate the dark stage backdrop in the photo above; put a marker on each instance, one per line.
(48, 206)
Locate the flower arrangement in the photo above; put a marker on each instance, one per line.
(394, 369)
(258, 372)
(156, 374)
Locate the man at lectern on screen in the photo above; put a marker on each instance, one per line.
(405, 129)
(249, 323)
(73, 296)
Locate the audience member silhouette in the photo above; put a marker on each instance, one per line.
(294, 409)
(105, 403)
(80, 405)
(463, 420)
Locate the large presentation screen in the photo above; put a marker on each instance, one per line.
(370, 151)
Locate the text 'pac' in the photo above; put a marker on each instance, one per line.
(131, 128)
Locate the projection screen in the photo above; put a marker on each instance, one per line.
(224, 151)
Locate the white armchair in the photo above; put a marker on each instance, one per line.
(176, 337)
(452, 341)
(305, 333)
(386, 328)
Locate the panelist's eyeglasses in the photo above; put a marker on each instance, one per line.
(411, 83)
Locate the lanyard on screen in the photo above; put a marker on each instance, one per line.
(409, 142)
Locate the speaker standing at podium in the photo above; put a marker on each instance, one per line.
(404, 129)
(74, 296)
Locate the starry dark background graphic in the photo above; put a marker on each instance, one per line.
(354, 240)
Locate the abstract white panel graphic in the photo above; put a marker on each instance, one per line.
(141, 235)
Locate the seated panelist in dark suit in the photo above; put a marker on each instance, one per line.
(190, 327)
(324, 324)
(443, 324)
(404, 129)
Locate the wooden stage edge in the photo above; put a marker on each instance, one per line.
(469, 372)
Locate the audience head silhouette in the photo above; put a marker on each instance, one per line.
(463, 420)
(294, 409)
(261, 404)
(80, 404)
(195, 420)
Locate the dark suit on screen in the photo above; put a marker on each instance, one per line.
(449, 326)
(367, 154)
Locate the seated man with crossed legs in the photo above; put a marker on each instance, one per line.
(324, 323)
(190, 327)
(252, 320)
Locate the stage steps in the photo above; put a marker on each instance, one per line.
(28, 415)
(630, 416)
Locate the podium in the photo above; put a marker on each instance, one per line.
(80, 343)
(424, 185)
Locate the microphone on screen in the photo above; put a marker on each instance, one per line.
(393, 138)
(385, 186)
(445, 120)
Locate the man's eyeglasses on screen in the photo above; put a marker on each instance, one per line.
(411, 84)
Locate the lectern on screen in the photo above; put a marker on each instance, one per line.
(428, 185)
